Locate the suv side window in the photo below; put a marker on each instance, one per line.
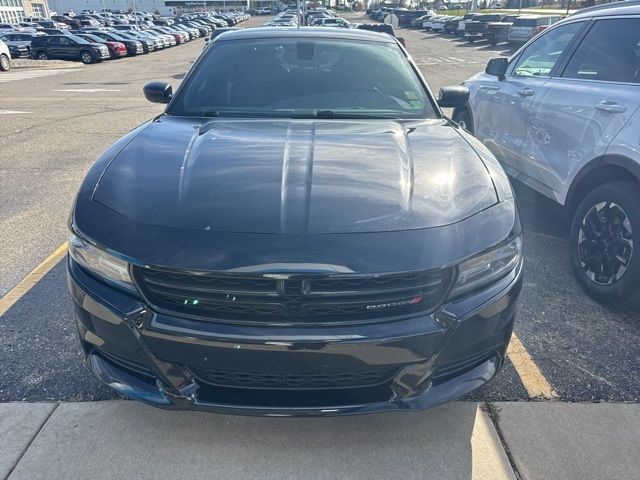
(539, 58)
(609, 52)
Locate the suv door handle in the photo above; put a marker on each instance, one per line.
(526, 92)
(611, 107)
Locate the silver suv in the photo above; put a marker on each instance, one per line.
(562, 116)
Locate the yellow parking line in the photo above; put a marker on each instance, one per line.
(30, 280)
(532, 378)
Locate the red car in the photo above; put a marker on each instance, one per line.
(116, 49)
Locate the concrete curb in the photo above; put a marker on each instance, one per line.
(124, 439)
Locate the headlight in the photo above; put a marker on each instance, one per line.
(488, 267)
(100, 263)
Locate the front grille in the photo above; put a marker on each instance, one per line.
(298, 299)
(241, 379)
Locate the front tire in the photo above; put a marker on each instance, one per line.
(42, 56)
(5, 63)
(86, 57)
(605, 243)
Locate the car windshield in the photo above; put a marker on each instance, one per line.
(303, 77)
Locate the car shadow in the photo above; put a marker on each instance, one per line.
(540, 214)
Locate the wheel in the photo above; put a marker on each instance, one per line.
(86, 57)
(5, 63)
(463, 119)
(605, 243)
(42, 56)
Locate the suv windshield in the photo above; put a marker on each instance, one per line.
(303, 77)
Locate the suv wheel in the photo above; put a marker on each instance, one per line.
(605, 243)
(5, 63)
(463, 119)
(42, 56)
(86, 57)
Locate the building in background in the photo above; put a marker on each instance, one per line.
(161, 7)
(36, 8)
(11, 11)
(62, 6)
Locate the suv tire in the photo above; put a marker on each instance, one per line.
(5, 63)
(605, 243)
(42, 55)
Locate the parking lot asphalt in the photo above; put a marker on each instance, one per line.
(52, 127)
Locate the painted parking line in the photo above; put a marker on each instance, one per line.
(28, 282)
(532, 378)
(30, 74)
(12, 112)
(444, 61)
(85, 90)
(535, 383)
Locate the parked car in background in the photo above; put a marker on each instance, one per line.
(68, 47)
(148, 44)
(498, 32)
(18, 39)
(134, 47)
(462, 23)
(451, 24)
(419, 21)
(5, 57)
(71, 22)
(562, 116)
(407, 19)
(476, 28)
(381, 28)
(526, 27)
(116, 49)
(438, 24)
(332, 22)
(427, 24)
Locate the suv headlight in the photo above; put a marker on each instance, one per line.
(488, 267)
(102, 264)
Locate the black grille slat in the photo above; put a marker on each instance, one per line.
(296, 299)
(294, 380)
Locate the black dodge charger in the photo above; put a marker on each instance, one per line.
(302, 232)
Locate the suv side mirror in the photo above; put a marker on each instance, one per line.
(497, 67)
(158, 92)
(453, 97)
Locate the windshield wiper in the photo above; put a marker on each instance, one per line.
(353, 115)
(322, 114)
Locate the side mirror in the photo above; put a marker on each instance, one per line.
(497, 67)
(453, 97)
(207, 39)
(158, 92)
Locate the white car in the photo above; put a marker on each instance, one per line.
(5, 57)
(437, 25)
(428, 25)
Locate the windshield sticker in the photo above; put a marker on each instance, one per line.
(415, 104)
(411, 95)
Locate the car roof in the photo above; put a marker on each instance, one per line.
(305, 32)
(626, 7)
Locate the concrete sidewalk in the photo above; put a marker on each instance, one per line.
(122, 439)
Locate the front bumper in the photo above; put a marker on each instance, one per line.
(152, 357)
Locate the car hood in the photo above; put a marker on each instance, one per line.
(289, 176)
